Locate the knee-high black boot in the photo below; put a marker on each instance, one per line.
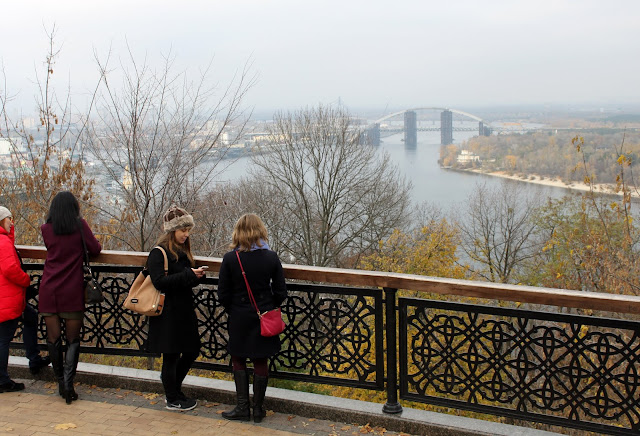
(70, 365)
(259, 390)
(241, 411)
(57, 362)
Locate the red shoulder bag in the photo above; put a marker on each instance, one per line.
(271, 323)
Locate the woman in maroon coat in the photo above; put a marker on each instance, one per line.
(61, 295)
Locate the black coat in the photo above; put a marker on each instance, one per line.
(266, 278)
(176, 330)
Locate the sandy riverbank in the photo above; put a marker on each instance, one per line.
(603, 188)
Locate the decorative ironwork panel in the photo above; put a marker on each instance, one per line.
(212, 323)
(576, 371)
(332, 333)
(110, 324)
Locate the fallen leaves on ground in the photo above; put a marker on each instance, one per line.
(366, 429)
(65, 426)
(151, 396)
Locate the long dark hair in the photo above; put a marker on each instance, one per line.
(168, 240)
(64, 213)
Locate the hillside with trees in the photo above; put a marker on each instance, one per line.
(552, 153)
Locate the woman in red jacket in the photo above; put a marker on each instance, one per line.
(13, 284)
(61, 294)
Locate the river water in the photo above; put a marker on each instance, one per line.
(446, 189)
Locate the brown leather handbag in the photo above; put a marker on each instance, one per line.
(143, 297)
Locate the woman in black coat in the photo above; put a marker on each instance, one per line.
(175, 332)
(266, 279)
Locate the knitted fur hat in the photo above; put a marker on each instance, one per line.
(4, 212)
(176, 218)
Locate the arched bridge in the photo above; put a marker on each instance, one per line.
(411, 129)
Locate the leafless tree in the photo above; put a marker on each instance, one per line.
(498, 231)
(44, 158)
(217, 212)
(159, 137)
(335, 197)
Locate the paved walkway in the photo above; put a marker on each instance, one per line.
(39, 410)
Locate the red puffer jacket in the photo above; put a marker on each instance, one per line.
(13, 280)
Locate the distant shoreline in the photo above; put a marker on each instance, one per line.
(556, 182)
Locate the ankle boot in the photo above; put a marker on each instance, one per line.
(259, 389)
(241, 411)
(70, 365)
(55, 353)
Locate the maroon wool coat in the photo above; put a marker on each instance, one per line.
(62, 283)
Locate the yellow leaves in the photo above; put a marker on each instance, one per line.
(583, 331)
(624, 160)
(430, 251)
(578, 142)
(65, 426)
(151, 396)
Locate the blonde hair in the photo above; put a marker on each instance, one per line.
(168, 240)
(249, 230)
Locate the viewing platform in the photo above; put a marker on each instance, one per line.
(539, 368)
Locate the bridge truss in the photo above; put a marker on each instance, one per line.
(410, 129)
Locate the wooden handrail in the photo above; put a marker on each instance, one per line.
(436, 285)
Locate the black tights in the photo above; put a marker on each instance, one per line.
(54, 328)
(175, 367)
(260, 366)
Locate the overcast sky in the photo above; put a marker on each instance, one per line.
(369, 54)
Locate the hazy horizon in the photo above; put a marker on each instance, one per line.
(368, 55)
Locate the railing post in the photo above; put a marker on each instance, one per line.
(392, 405)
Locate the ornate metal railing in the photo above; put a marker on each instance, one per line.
(576, 371)
(334, 334)
(558, 369)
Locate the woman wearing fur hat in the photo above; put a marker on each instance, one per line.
(61, 295)
(266, 278)
(175, 332)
